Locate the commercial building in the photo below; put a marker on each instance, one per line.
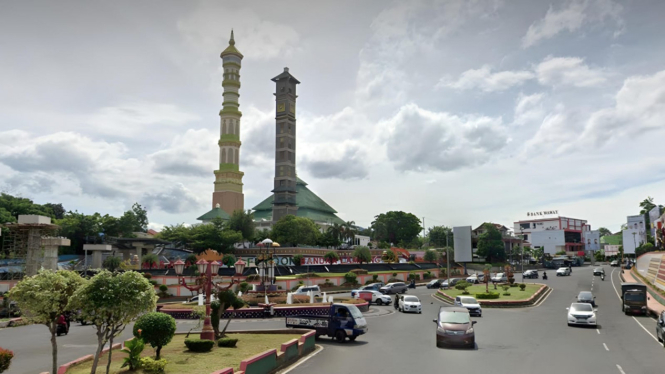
(553, 234)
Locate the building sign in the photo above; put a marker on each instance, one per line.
(342, 260)
(542, 213)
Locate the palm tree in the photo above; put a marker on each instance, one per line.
(348, 231)
(335, 230)
(646, 205)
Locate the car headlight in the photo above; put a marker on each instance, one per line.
(470, 330)
(644, 307)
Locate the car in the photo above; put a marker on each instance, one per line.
(532, 274)
(303, 290)
(454, 328)
(409, 303)
(581, 314)
(395, 287)
(614, 263)
(471, 304)
(476, 278)
(598, 271)
(435, 283)
(375, 297)
(367, 287)
(586, 297)
(660, 328)
(562, 272)
(195, 299)
(500, 277)
(453, 282)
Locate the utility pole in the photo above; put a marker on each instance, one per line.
(447, 260)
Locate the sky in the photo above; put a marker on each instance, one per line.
(460, 112)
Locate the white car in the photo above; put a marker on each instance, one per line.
(303, 290)
(374, 297)
(409, 303)
(476, 278)
(562, 271)
(469, 303)
(500, 277)
(581, 314)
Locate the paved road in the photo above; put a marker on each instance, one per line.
(529, 340)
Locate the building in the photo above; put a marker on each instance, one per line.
(553, 234)
(228, 178)
(285, 188)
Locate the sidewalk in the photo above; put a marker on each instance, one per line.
(652, 304)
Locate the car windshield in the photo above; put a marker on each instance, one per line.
(585, 295)
(469, 300)
(500, 275)
(581, 308)
(563, 269)
(411, 299)
(454, 317)
(355, 312)
(635, 296)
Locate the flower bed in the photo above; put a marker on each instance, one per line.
(517, 298)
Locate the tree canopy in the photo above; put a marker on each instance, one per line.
(396, 227)
(243, 222)
(362, 254)
(292, 230)
(437, 236)
(490, 244)
(604, 231)
(430, 255)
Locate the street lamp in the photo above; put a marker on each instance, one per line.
(208, 270)
(522, 261)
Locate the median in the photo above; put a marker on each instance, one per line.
(503, 296)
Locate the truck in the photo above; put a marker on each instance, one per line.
(634, 298)
(342, 321)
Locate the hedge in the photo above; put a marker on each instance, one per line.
(199, 345)
(227, 342)
(359, 271)
(487, 296)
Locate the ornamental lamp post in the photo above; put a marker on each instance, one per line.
(207, 270)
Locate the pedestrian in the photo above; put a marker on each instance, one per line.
(396, 301)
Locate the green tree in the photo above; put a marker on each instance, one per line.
(490, 244)
(229, 260)
(389, 256)
(644, 248)
(437, 236)
(335, 231)
(149, 260)
(57, 209)
(19, 205)
(396, 226)
(44, 297)
(112, 263)
(179, 234)
(294, 230)
(297, 259)
(647, 205)
(157, 329)
(430, 256)
(111, 301)
(78, 227)
(331, 257)
(328, 239)
(243, 222)
(349, 231)
(215, 236)
(604, 231)
(228, 299)
(362, 254)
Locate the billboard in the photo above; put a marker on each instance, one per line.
(654, 214)
(462, 243)
(631, 240)
(548, 239)
(592, 240)
(611, 250)
(638, 223)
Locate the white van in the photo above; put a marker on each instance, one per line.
(303, 290)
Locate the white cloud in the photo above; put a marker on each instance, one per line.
(528, 108)
(190, 154)
(132, 120)
(487, 81)
(569, 71)
(572, 17)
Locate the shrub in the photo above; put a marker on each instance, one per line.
(253, 278)
(308, 275)
(163, 288)
(505, 288)
(133, 348)
(147, 275)
(227, 342)
(359, 271)
(153, 282)
(463, 285)
(506, 294)
(150, 365)
(487, 296)
(392, 280)
(427, 275)
(394, 275)
(112, 263)
(199, 345)
(157, 329)
(5, 359)
(244, 286)
(375, 277)
(297, 259)
(522, 286)
(351, 278)
(413, 275)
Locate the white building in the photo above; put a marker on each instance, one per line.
(553, 234)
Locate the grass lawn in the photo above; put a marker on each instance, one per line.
(515, 292)
(182, 361)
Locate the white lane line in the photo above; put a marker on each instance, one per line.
(605, 345)
(591, 288)
(615, 288)
(598, 331)
(620, 370)
(645, 329)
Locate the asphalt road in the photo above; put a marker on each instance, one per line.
(527, 340)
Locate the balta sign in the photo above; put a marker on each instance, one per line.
(542, 213)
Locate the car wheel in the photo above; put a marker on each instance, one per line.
(379, 302)
(569, 325)
(658, 336)
(340, 336)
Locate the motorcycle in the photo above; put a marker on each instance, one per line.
(544, 275)
(602, 277)
(61, 329)
(412, 284)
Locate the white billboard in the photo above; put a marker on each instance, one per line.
(592, 240)
(631, 240)
(548, 239)
(638, 223)
(462, 240)
(654, 214)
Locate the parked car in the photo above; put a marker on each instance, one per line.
(375, 297)
(531, 274)
(435, 283)
(453, 282)
(303, 290)
(408, 303)
(660, 328)
(367, 287)
(500, 277)
(562, 272)
(614, 263)
(598, 271)
(395, 287)
(476, 278)
(581, 314)
(469, 303)
(454, 327)
(586, 297)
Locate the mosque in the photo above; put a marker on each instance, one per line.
(290, 194)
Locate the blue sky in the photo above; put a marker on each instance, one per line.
(457, 111)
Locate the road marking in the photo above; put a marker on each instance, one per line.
(615, 288)
(638, 322)
(645, 329)
(591, 288)
(620, 370)
(598, 331)
(605, 345)
(318, 350)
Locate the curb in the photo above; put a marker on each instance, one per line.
(533, 300)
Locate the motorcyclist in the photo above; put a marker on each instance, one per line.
(602, 276)
(63, 321)
(544, 275)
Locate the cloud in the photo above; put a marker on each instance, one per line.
(571, 18)
(487, 81)
(528, 108)
(421, 140)
(137, 119)
(174, 199)
(569, 71)
(341, 161)
(190, 154)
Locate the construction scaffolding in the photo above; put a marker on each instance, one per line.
(23, 247)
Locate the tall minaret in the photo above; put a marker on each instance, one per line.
(228, 178)
(284, 201)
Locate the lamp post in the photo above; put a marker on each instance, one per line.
(266, 244)
(522, 260)
(207, 271)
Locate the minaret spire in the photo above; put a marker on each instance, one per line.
(232, 41)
